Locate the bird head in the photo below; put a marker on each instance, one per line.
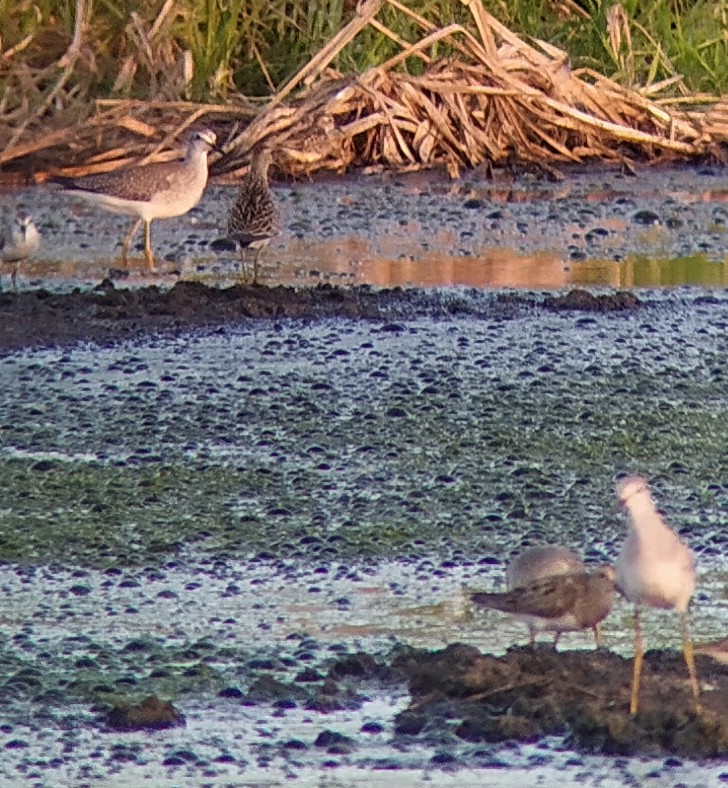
(206, 139)
(24, 223)
(629, 486)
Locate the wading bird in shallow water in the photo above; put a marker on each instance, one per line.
(155, 191)
(567, 602)
(255, 217)
(19, 240)
(654, 568)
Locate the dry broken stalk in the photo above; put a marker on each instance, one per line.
(496, 97)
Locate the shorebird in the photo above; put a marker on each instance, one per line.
(654, 568)
(566, 602)
(541, 561)
(255, 217)
(535, 563)
(156, 191)
(20, 239)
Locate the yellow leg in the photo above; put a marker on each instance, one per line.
(597, 635)
(689, 654)
(128, 240)
(637, 668)
(148, 243)
(255, 264)
(244, 265)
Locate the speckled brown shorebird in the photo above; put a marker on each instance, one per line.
(19, 240)
(654, 568)
(535, 563)
(156, 191)
(567, 602)
(255, 217)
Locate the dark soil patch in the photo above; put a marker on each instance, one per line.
(150, 714)
(583, 301)
(581, 695)
(109, 314)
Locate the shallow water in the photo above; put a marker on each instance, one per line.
(663, 229)
(167, 623)
(178, 513)
(176, 510)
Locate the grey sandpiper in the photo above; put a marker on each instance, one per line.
(535, 563)
(567, 602)
(19, 240)
(654, 568)
(255, 217)
(156, 191)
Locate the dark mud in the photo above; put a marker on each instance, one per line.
(149, 714)
(109, 314)
(583, 696)
(523, 696)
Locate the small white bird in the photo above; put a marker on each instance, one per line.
(654, 568)
(19, 240)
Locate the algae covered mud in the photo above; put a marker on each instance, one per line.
(266, 504)
(264, 521)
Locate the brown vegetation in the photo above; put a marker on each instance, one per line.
(496, 98)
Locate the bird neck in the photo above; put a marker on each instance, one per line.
(197, 154)
(646, 520)
(258, 179)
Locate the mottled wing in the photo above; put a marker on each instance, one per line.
(255, 215)
(138, 183)
(550, 597)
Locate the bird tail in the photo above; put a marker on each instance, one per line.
(494, 600)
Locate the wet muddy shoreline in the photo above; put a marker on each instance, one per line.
(265, 505)
(597, 227)
(330, 484)
(108, 314)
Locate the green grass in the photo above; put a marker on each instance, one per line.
(254, 46)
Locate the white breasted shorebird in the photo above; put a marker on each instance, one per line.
(19, 240)
(654, 568)
(255, 217)
(535, 563)
(567, 602)
(156, 191)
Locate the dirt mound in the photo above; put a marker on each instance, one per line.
(581, 695)
(108, 314)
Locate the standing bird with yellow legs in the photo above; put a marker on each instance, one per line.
(657, 569)
(157, 191)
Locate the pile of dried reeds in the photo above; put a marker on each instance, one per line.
(494, 98)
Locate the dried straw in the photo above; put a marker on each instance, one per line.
(495, 98)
